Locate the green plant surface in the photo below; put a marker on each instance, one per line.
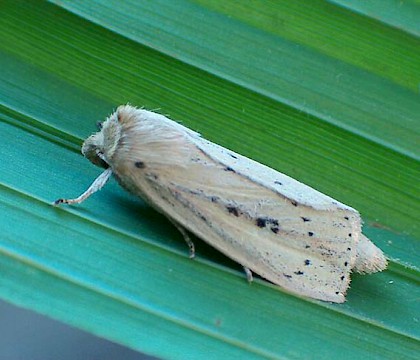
(324, 91)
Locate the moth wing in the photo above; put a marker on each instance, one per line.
(295, 237)
(268, 177)
(369, 258)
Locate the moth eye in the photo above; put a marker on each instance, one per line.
(99, 125)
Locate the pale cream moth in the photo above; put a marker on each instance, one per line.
(271, 224)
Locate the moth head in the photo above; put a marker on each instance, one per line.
(100, 147)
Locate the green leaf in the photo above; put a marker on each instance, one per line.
(326, 92)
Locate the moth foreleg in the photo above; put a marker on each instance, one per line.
(248, 274)
(98, 184)
(186, 237)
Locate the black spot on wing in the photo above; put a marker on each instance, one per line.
(233, 210)
(261, 222)
(139, 165)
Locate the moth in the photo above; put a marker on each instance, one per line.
(274, 226)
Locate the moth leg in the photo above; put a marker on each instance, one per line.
(187, 239)
(98, 184)
(248, 274)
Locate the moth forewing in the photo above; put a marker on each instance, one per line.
(281, 229)
(305, 250)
